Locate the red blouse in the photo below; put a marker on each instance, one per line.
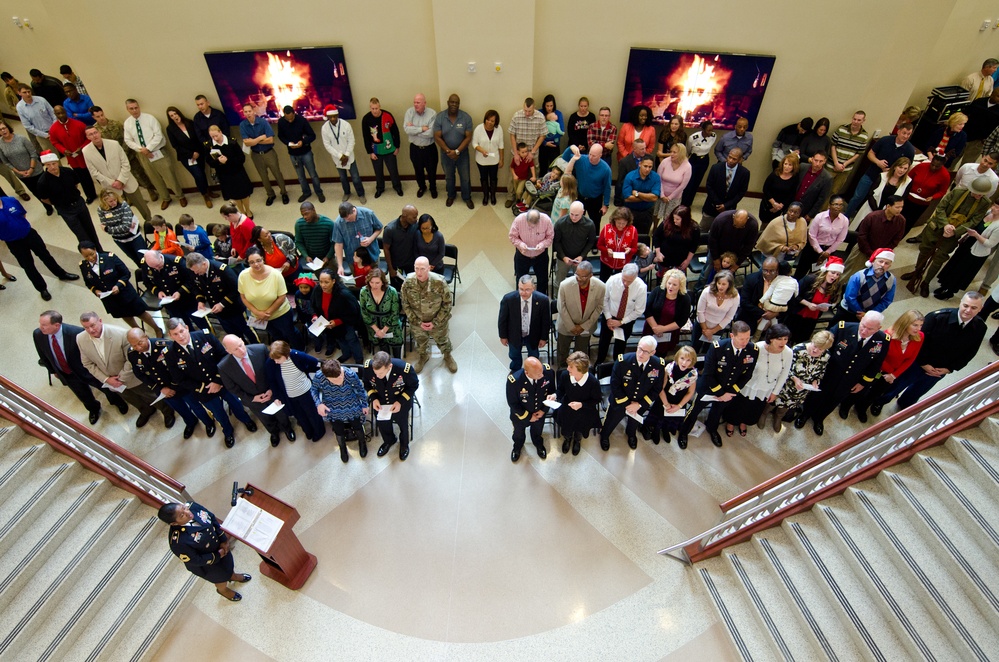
(897, 361)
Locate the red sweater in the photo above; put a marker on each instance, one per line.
(930, 185)
(897, 362)
(612, 241)
(240, 235)
(70, 138)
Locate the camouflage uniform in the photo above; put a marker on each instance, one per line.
(428, 302)
(116, 132)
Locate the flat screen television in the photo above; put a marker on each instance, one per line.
(697, 86)
(307, 79)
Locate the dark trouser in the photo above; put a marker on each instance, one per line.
(820, 404)
(714, 416)
(546, 155)
(605, 339)
(698, 166)
(593, 206)
(354, 176)
(911, 212)
(141, 397)
(86, 181)
(522, 266)
(183, 310)
(615, 414)
(346, 339)
(273, 423)
(389, 161)
(303, 408)
(32, 184)
(77, 217)
(806, 259)
(911, 386)
(801, 327)
(132, 248)
(401, 418)
(189, 408)
(215, 406)
(22, 249)
(842, 315)
(340, 428)
(81, 388)
(516, 353)
(236, 325)
(198, 172)
(520, 428)
(283, 328)
(425, 164)
(489, 178)
(459, 166)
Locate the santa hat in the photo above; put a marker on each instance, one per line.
(834, 264)
(883, 253)
(331, 110)
(48, 156)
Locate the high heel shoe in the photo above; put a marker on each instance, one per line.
(742, 430)
(729, 430)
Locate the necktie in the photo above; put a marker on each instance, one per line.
(728, 178)
(190, 349)
(621, 307)
(981, 88)
(248, 369)
(525, 320)
(60, 357)
(138, 130)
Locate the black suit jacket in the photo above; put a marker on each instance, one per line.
(236, 381)
(815, 195)
(718, 194)
(509, 319)
(44, 348)
(749, 298)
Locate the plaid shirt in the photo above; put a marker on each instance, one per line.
(602, 135)
(528, 129)
(532, 240)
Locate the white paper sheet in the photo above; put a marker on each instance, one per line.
(253, 322)
(116, 389)
(157, 155)
(166, 300)
(252, 524)
(105, 295)
(638, 417)
(273, 408)
(318, 326)
(805, 386)
(385, 413)
(552, 404)
(619, 255)
(618, 334)
(203, 312)
(315, 265)
(158, 398)
(679, 412)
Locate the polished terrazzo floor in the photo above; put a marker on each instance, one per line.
(455, 554)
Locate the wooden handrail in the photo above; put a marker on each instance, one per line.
(100, 439)
(859, 437)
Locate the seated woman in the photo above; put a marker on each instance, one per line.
(380, 311)
(289, 373)
(786, 236)
(779, 189)
(340, 399)
(675, 241)
(578, 392)
(949, 141)
(335, 303)
(717, 306)
(430, 243)
(109, 279)
(278, 250)
(117, 219)
(265, 294)
(679, 387)
(667, 311)
(756, 399)
(808, 365)
(817, 293)
(906, 340)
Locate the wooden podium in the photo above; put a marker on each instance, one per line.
(286, 562)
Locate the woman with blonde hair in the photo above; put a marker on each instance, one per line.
(667, 311)
(117, 219)
(674, 174)
(567, 194)
(679, 387)
(808, 365)
(949, 140)
(906, 339)
(894, 181)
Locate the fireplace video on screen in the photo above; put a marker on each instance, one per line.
(307, 79)
(720, 87)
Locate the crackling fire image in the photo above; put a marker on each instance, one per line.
(696, 86)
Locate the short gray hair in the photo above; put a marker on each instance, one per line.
(195, 259)
(630, 269)
(86, 317)
(527, 279)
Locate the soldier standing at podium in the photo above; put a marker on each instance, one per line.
(197, 539)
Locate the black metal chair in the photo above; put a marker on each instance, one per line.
(450, 272)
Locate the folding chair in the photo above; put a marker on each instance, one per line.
(451, 273)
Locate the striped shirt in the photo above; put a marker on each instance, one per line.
(296, 382)
(847, 146)
(532, 239)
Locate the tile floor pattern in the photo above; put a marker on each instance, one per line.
(456, 554)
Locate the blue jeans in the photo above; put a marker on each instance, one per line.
(301, 163)
(346, 340)
(354, 175)
(198, 172)
(863, 188)
(461, 165)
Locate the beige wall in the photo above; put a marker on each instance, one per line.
(891, 54)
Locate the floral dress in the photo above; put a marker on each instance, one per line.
(677, 384)
(806, 368)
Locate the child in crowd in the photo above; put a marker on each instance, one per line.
(305, 283)
(555, 131)
(362, 265)
(223, 242)
(729, 261)
(520, 174)
(644, 259)
(678, 392)
(547, 187)
(195, 236)
(782, 289)
(164, 239)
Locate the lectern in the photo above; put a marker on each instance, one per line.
(284, 560)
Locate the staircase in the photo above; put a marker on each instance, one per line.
(902, 566)
(86, 573)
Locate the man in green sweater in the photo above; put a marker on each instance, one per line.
(314, 237)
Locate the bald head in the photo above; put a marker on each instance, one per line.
(408, 215)
(576, 211)
(153, 259)
(533, 368)
(234, 345)
(740, 217)
(595, 153)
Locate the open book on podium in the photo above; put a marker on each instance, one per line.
(265, 523)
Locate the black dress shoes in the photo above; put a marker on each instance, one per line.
(251, 426)
(45, 295)
(123, 409)
(876, 409)
(230, 441)
(95, 416)
(605, 443)
(169, 419)
(189, 430)
(862, 415)
(290, 435)
(715, 438)
(69, 276)
(143, 419)
(632, 443)
(515, 455)
(818, 427)
(275, 439)
(799, 422)
(285, 199)
(403, 452)
(844, 412)
(542, 453)
(244, 577)
(575, 445)
(681, 440)
(565, 445)
(210, 429)
(384, 448)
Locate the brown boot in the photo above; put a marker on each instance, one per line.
(450, 363)
(208, 201)
(779, 413)
(984, 291)
(420, 362)
(767, 409)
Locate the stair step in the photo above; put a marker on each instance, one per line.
(70, 565)
(872, 632)
(34, 495)
(46, 534)
(933, 579)
(811, 607)
(980, 463)
(861, 543)
(725, 592)
(17, 461)
(774, 613)
(944, 535)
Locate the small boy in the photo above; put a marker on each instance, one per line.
(223, 242)
(195, 236)
(305, 283)
(164, 239)
(644, 259)
(520, 174)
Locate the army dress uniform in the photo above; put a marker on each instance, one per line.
(106, 274)
(852, 361)
(399, 385)
(427, 302)
(194, 367)
(151, 369)
(631, 382)
(726, 370)
(197, 544)
(219, 285)
(173, 278)
(526, 397)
